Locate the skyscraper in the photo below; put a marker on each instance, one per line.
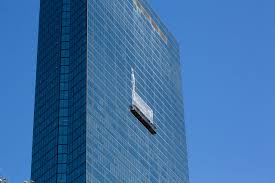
(108, 100)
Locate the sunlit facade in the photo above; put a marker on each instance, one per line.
(108, 104)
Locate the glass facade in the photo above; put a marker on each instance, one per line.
(84, 130)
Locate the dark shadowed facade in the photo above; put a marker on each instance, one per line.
(108, 103)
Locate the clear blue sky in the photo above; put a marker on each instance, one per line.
(228, 51)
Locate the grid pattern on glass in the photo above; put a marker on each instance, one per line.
(83, 130)
(47, 96)
(59, 138)
(76, 170)
(64, 95)
(119, 148)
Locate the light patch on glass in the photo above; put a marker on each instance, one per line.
(156, 28)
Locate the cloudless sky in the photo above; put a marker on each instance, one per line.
(228, 56)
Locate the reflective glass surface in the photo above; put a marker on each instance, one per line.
(84, 130)
(123, 35)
